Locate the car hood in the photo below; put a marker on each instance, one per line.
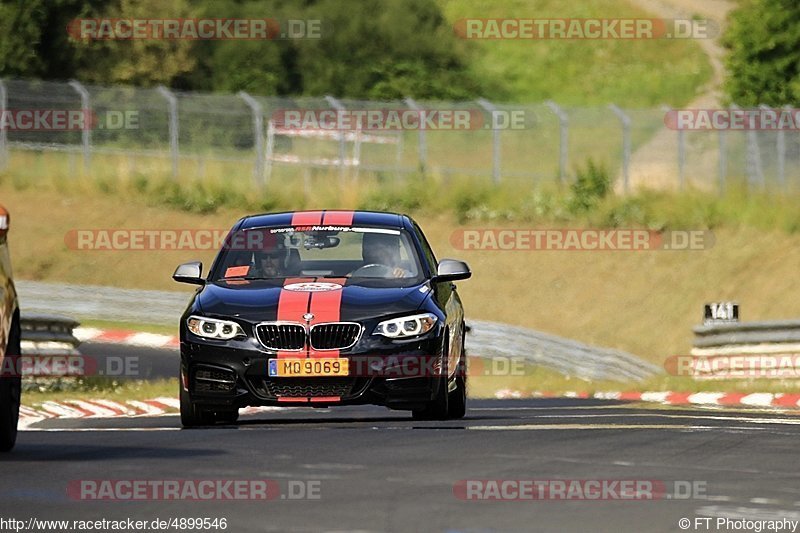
(257, 301)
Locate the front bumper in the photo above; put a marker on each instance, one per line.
(233, 374)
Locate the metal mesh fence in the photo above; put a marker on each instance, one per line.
(239, 136)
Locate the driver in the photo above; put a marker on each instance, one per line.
(270, 261)
(382, 249)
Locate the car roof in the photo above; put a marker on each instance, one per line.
(329, 217)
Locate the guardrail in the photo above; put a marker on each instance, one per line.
(48, 333)
(776, 332)
(567, 356)
(744, 350)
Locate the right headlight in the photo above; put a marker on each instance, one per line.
(212, 328)
(406, 326)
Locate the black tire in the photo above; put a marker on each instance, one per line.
(192, 415)
(195, 416)
(10, 393)
(439, 407)
(457, 403)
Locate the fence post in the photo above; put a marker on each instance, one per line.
(723, 161)
(626, 144)
(334, 103)
(780, 145)
(681, 151)
(86, 132)
(782, 153)
(172, 101)
(270, 149)
(423, 143)
(258, 136)
(492, 109)
(3, 131)
(563, 146)
(755, 172)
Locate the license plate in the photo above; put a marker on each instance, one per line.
(313, 367)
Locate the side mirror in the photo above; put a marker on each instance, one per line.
(189, 273)
(452, 270)
(5, 219)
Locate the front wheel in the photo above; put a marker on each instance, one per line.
(439, 407)
(194, 416)
(10, 393)
(457, 403)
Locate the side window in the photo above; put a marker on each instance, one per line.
(429, 257)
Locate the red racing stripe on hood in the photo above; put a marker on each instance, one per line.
(292, 305)
(326, 306)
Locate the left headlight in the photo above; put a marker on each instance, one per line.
(212, 328)
(406, 326)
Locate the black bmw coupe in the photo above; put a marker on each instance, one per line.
(323, 308)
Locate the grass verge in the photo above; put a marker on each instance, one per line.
(35, 393)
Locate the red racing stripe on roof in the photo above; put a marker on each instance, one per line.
(338, 218)
(307, 218)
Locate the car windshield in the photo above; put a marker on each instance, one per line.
(364, 255)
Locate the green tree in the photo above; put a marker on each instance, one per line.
(20, 34)
(764, 60)
(377, 49)
(368, 49)
(385, 49)
(141, 62)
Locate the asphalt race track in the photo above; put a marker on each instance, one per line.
(371, 469)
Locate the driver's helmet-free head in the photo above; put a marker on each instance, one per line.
(380, 248)
(272, 256)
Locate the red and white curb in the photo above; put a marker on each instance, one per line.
(101, 408)
(722, 399)
(132, 338)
